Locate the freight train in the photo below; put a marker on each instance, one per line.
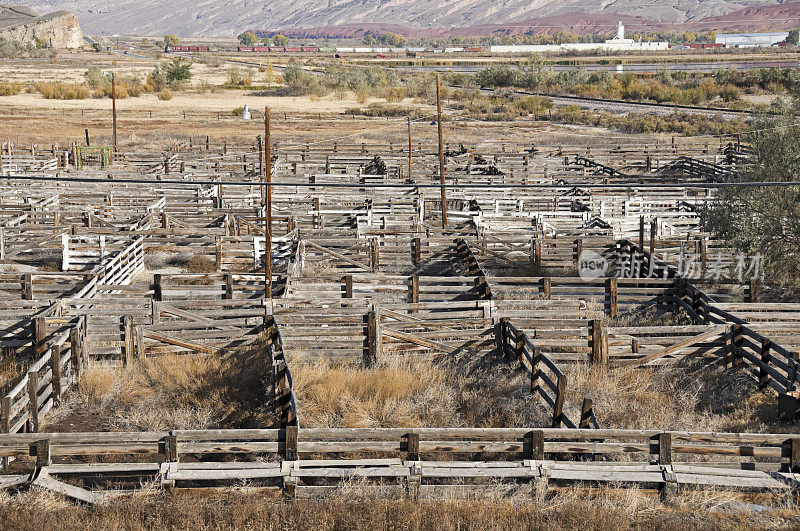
(311, 49)
(173, 49)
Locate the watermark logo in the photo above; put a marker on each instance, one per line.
(591, 265)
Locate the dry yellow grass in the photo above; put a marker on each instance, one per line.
(400, 394)
(172, 392)
(601, 508)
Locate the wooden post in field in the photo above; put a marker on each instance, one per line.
(598, 350)
(611, 289)
(75, 354)
(415, 289)
(766, 358)
(218, 254)
(641, 234)
(500, 337)
(519, 348)
(410, 156)
(416, 251)
(374, 336)
(27, 286)
(55, 368)
(348, 286)
(752, 291)
(558, 407)
(158, 294)
(547, 288)
(127, 327)
(586, 414)
(535, 375)
(228, 279)
(412, 446)
(441, 149)
(33, 401)
(578, 251)
(39, 336)
(290, 443)
(737, 360)
(651, 261)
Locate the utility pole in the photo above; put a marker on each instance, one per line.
(441, 149)
(114, 109)
(267, 207)
(409, 149)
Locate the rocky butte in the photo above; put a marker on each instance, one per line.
(58, 29)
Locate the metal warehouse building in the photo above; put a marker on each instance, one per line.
(732, 40)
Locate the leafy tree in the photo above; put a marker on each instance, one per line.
(97, 47)
(393, 39)
(178, 70)
(248, 38)
(794, 37)
(280, 40)
(765, 220)
(369, 40)
(171, 40)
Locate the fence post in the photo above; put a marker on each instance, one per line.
(598, 351)
(535, 440)
(157, 291)
(228, 278)
(611, 289)
(519, 347)
(752, 291)
(586, 413)
(537, 252)
(39, 335)
(766, 357)
(415, 289)
(670, 486)
(499, 337)
(547, 286)
(416, 251)
(290, 434)
(535, 376)
(558, 407)
(33, 401)
(127, 329)
(55, 368)
(578, 250)
(5, 423)
(412, 446)
(374, 248)
(27, 287)
(41, 449)
(794, 463)
(348, 286)
(375, 341)
(737, 360)
(218, 254)
(75, 354)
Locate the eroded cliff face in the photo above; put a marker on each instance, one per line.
(59, 29)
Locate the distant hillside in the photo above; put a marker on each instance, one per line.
(59, 29)
(413, 17)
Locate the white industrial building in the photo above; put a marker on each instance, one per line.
(748, 40)
(618, 43)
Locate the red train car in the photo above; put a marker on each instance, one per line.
(168, 49)
(245, 48)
